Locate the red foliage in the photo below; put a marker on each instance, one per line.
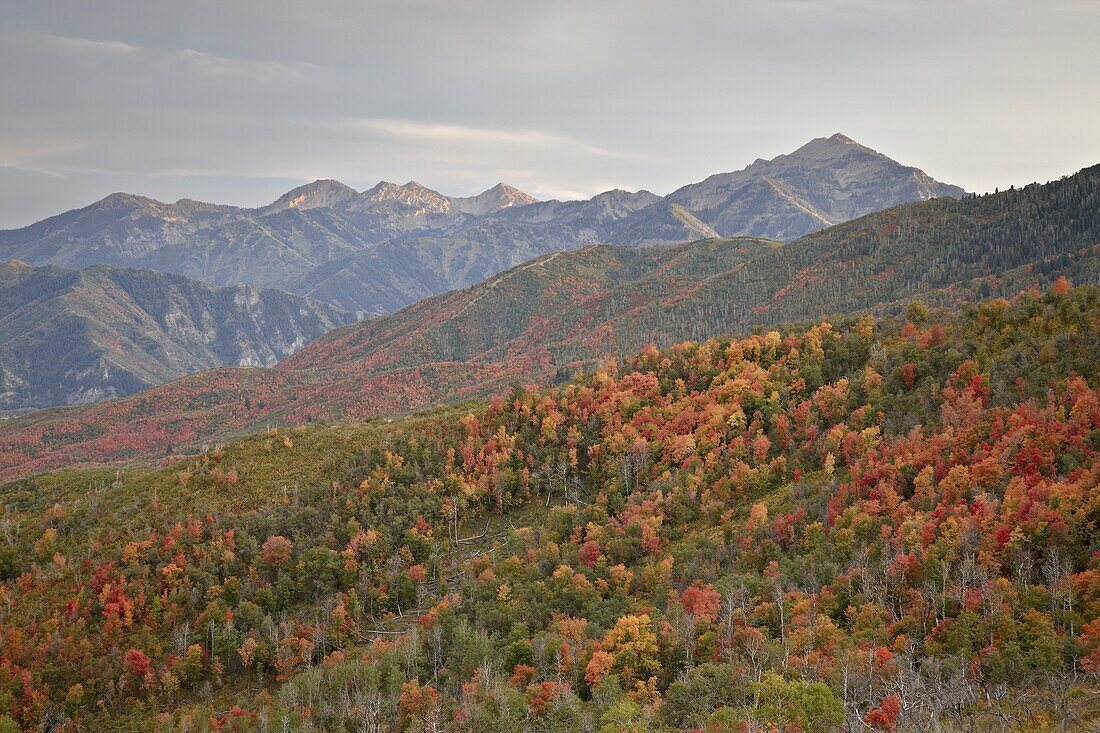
(541, 695)
(136, 663)
(589, 553)
(701, 601)
(884, 717)
(909, 374)
(417, 701)
(522, 676)
(276, 550)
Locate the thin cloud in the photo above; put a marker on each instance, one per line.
(88, 46)
(37, 156)
(24, 169)
(189, 61)
(451, 133)
(560, 194)
(207, 64)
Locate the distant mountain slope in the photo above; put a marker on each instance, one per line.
(389, 276)
(826, 181)
(70, 337)
(547, 318)
(330, 241)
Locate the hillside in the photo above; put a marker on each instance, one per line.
(532, 322)
(379, 250)
(565, 311)
(882, 524)
(74, 337)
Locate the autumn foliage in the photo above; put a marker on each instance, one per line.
(862, 525)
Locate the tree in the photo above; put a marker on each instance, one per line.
(418, 706)
(276, 551)
(706, 688)
(811, 706)
(632, 646)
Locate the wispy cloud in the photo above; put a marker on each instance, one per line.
(450, 133)
(561, 194)
(88, 46)
(262, 70)
(24, 169)
(189, 62)
(37, 155)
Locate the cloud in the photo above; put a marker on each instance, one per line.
(189, 62)
(450, 133)
(36, 171)
(207, 64)
(37, 156)
(561, 194)
(88, 46)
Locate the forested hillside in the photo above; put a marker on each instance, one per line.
(867, 524)
(561, 313)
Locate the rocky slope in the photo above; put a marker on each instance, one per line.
(78, 336)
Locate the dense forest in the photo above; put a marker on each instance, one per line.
(869, 524)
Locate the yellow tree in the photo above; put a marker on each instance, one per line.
(632, 644)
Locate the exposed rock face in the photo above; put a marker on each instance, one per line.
(77, 336)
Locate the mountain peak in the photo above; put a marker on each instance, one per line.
(323, 192)
(121, 198)
(503, 187)
(828, 149)
(622, 201)
(500, 196)
(412, 198)
(386, 190)
(827, 180)
(624, 193)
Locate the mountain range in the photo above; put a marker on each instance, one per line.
(557, 314)
(78, 336)
(375, 251)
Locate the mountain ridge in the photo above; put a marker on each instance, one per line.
(291, 241)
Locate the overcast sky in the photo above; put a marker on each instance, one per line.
(236, 102)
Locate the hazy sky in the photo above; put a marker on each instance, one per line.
(237, 102)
